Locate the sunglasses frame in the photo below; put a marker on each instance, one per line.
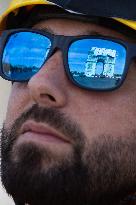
(63, 43)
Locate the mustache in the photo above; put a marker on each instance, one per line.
(53, 118)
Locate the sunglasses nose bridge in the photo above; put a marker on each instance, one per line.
(57, 44)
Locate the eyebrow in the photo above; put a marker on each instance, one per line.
(49, 30)
(94, 33)
(88, 32)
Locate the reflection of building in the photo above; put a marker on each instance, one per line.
(47, 50)
(106, 56)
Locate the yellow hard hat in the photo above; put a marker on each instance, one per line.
(15, 5)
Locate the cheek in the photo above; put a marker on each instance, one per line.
(18, 102)
(106, 113)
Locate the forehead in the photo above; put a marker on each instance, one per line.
(71, 27)
(52, 13)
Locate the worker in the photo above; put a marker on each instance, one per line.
(69, 135)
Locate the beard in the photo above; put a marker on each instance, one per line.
(101, 172)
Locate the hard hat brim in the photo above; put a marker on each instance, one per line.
(16, 7)
(129, 23)
(30, 3)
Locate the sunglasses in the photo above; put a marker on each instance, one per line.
(91, 62)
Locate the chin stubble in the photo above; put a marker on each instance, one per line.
(103, 172)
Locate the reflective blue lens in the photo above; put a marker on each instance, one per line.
(97, 63)
(24, 54)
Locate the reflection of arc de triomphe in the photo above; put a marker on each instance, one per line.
(103, 55)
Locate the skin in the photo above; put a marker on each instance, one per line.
(96, 113)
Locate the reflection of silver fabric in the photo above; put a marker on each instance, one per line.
(70, 11)
(74, 12)
(106, 56)
(100, 8)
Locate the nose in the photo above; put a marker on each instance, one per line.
(48, 86)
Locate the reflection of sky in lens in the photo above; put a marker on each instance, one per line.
(78, 53)
(26, 49)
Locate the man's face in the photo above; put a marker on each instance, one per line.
(66, 145)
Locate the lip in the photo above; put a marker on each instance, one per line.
(39, 130)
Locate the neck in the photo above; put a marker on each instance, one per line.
(129, 200)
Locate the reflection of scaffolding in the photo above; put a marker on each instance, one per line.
(96, 55)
